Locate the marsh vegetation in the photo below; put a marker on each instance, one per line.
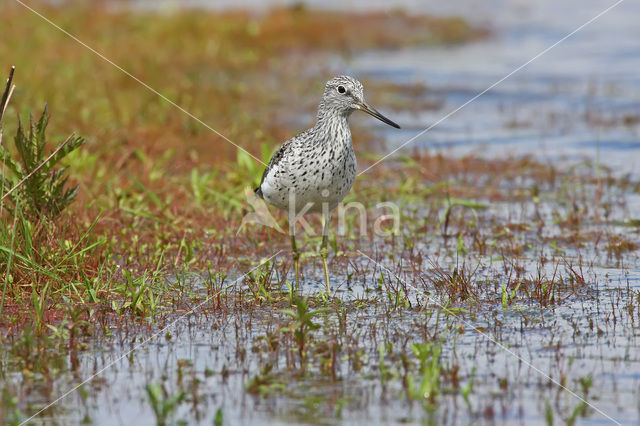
(511, 291)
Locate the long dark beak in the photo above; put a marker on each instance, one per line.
(374, 112)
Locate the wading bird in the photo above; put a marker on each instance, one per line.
(314, 171)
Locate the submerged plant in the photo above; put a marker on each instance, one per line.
(162, 403)
(138, 294)
(302, 324)
(426, 387)
(265, 382)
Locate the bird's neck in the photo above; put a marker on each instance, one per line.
(334, 125)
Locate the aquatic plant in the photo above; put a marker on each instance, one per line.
(426, 386)
(301, 324)
(163, 404)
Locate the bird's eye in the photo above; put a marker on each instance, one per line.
(341, 89)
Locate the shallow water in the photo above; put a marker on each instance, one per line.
(567, 106)
(580, 99)
(214, 355)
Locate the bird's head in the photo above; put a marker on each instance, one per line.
(343, 95)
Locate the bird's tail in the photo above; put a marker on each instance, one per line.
(258, 192)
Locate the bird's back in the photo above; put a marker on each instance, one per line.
(276, 163)
(275, 159)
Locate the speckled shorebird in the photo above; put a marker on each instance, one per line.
(314, 171)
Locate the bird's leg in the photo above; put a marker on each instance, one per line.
(324, 252)
(295, 253)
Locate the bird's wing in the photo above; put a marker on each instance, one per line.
(274, 160)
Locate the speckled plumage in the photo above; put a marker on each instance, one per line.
(318, 165)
